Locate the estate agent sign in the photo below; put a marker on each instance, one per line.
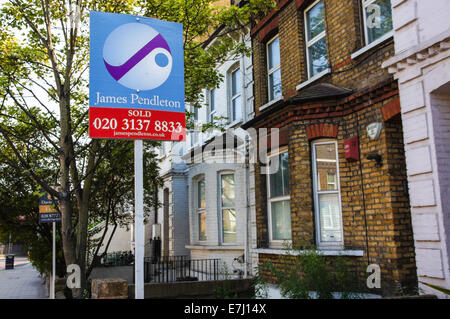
(136, 86)
(48, 213)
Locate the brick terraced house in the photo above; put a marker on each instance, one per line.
(342, 183)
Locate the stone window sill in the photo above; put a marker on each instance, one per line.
(215, 247)
(336, 252)
(314, 78)
(265, 106)
(234, 123)
(372, 45)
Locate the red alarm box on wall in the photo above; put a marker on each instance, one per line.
(351, 148)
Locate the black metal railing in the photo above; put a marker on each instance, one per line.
(180, 268)
(121, 258)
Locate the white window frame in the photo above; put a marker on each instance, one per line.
(200, 210)
(272, 70)
(310, 42)
(212, 113)
(365, 4)
(196, 137)
(232, 97)
(320, 244)
(275, 242)
(221, 208)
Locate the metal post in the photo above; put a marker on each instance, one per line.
(9, 245)
(52, 296)
(139, 218)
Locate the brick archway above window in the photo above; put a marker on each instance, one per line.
(321, 130)
(391, 109)
(269, 30)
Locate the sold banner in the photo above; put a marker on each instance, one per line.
(136, 86)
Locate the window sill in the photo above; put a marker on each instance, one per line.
(336, 252)
(265, 106)
(215, 247)
(314, 78)
(234, 123)
(372, 45)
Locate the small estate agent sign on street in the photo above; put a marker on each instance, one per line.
(136, 86)
(48, 213)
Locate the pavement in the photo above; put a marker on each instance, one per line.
(22, 282)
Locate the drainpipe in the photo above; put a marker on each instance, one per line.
(362, 189)
(247, 210)
(247, 179)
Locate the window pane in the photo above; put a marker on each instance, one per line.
(281, 220)
(378, 19)
(318, 57)
(279, 181)
(196, 113)
(229, 225)
(285, 171)
(202, 226)
(331, 181)
(274, 53)
(212, 100)
(275, 85)
(227, 190)
(330, 218)
(326, 166)
(194, 139)
(315, 22)
(201, 194)
(236, 108)
(236, 82)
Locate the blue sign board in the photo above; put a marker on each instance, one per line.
(48, 213)
(136, 86)
(136, 62)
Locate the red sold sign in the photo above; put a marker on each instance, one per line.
(136, 83)
(136, 124)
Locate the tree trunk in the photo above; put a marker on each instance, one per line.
(67, 231)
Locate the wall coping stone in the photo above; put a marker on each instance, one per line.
(348, 252)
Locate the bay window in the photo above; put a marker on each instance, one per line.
(201, 209)
(327, 198)
(212, 105)
(278, 194)
(227, 208)
(235, 96)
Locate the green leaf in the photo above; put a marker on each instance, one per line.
(441, 289)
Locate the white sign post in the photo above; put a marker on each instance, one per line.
(139, 219)
(49, 214)
(53, 262)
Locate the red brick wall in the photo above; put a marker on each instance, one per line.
(344, 35)
(375, 207)
(383, 210)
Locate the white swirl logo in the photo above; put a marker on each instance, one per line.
(137, 56)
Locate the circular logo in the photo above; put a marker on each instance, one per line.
(137, 56)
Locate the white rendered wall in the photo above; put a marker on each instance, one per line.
(172, 165)
(422, 67)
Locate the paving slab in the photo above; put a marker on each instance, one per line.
(22, 282)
